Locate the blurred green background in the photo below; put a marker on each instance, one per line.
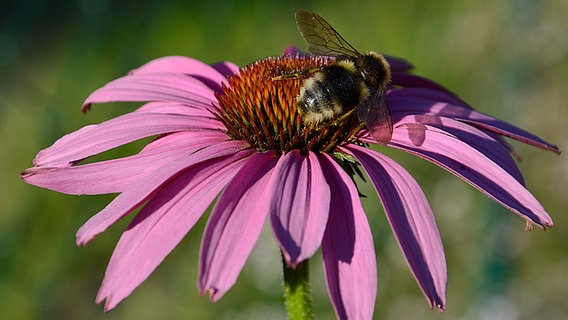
(506, 58)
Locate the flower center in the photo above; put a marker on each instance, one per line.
(261, 109)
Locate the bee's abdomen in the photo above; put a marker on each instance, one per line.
(330, 91)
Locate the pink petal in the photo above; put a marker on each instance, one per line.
(179, 64)
(444, 150)
(347, 248)
(291, 50)
(169, 87)
(179, 108)
(424, 94)
(147, 187)
(94, 139)
(299, 206)
(411, 219)
(234, 225)
(162, 224)
(472, 136)
(411, 80)
(226, 68)
(398, 64)
(118, 174)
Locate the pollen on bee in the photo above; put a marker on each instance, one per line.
(310, 117)
(363, 92)
(348, 65)
(336, 108)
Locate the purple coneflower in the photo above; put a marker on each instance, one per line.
(237, 134)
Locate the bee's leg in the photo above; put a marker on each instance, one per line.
(344, 116)
(304, 73)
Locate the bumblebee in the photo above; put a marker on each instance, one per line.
(351, 80)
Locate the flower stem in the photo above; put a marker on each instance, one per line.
(298, 291)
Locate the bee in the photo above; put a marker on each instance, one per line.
(351, 80)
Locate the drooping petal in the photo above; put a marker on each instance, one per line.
(226, 68)
(171, 87)
(94, 139)
(347, 248)
(398, 64)
(180, 64)
(162, 223)
(414, 81)
(459, 158)
(144, 189)
(300, 205)
(116, 175)
(411, 219)
(472, 136)
(402, 104)
(234, 225)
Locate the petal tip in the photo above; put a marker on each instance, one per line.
(213, 294)
(26, 174)
(103, 298)
(438, 303)
(86, 107)
(29, 172)
(81, 240)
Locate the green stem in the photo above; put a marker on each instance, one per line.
(297, 291)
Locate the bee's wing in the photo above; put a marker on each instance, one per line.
(322, 39)
(374, 112)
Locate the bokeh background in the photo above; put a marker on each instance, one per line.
(506, 58)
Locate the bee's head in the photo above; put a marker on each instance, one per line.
(374, 68)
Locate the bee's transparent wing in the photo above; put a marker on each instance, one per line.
(321, 37)
(374, 112)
